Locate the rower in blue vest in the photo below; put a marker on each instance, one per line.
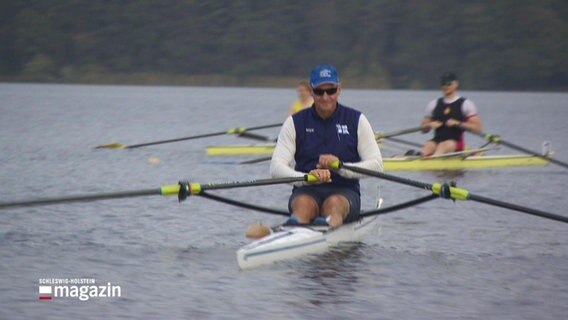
(314, 138)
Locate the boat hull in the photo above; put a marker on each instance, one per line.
(408, 163)
(240, 150)
(293, 242)
(459, 163)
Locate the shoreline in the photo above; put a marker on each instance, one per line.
(157, 79)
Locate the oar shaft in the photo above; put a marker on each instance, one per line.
(464, 154)
(398, 133)
(497, 140)
(399, 206)
(213, 134)
(257, 137)
(81, 198)
(454, 193)
(511, 206)
(134, 146)
(256, 183)
(256, 160)
(244, 204)
(268, 126)
(519, 148)
(389, 177)
(165, 190)
(401, 141)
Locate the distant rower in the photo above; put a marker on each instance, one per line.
(445, 115)
(304, 100)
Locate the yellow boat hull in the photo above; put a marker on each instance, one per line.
(405, 163)
(240, 150)
(458, 163)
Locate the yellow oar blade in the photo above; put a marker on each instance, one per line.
(114, 145)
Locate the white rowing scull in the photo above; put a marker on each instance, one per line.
(289, 242)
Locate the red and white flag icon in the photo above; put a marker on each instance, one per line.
(44, 292)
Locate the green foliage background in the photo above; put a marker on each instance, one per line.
(492, 45)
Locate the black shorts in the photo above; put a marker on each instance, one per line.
(438, 140)
(321, 192)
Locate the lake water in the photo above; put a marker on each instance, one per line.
(440, 260)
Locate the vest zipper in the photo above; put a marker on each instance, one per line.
(325, 135)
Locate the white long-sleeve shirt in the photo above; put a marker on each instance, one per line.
(285, 150)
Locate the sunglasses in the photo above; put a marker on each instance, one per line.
(446, 83)
(330, 91)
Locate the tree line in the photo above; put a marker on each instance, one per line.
(491, 45)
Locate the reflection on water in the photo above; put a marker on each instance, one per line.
(452, 175)
(325, 278)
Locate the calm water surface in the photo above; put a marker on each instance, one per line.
(441, 260)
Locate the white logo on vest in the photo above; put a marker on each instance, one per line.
(325, 73)
(342, 129)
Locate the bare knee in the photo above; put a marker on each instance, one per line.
(428, 149)
(335, 202)
(337, 208)
(446, 147)
(304, 208)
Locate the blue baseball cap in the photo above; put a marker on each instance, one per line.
(323, 74)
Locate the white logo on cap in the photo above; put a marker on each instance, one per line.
(325, 73)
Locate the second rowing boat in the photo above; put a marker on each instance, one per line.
(458, 161)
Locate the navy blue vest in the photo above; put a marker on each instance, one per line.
(335, 135)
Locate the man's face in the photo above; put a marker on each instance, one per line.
(449, 88)
(325, 98)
